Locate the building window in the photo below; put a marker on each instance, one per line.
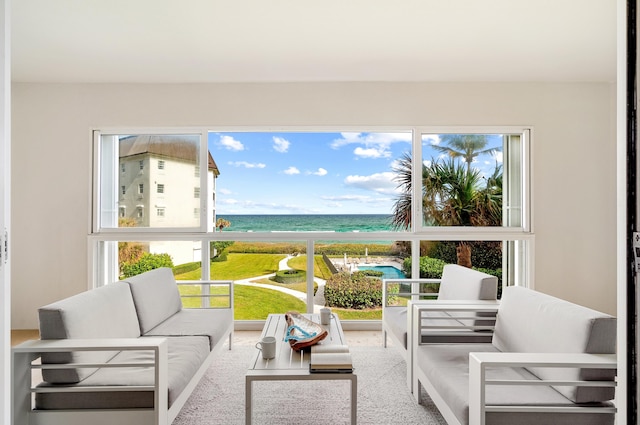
(160, 164)
(140, 188)
(123, 190)
(160, 212)
(196, 192)
(197, 171)
(141, 165)
(122, 167)
(160, 188)
(122, 211)
(140, 212)
(196, 212)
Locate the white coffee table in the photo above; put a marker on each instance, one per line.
(290, 365)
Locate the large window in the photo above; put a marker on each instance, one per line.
(295, 217)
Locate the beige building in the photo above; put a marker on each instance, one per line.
(159, 185)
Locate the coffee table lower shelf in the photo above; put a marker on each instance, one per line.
(299, 375)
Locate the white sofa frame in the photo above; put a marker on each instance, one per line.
(26, 365)
(415, 297)
(478, 363)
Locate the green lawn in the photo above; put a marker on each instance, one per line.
(251, 303)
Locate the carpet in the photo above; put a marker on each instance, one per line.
(383, 396)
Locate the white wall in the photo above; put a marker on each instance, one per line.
(574, 163)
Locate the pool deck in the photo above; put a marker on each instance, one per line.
(352, 263)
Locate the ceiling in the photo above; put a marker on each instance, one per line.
(195, 41)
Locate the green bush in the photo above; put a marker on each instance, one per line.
(222, 256)
(290, 276)
(430, 268)
(372, 273)
(484, 254)
(353, 291)
(145, 263)
(186, 268)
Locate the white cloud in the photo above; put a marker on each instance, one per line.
(321, 172)
(371, 139)
(224, 191)
(291, 171)
(246, 164)
(431, 139)
(378, 182)
(231, 144)
(377, 152)
(281, 145)
(227, 201)
(349, 198)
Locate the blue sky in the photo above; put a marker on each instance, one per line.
(312, 173)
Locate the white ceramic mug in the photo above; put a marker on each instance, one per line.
(268, 347)
(325, 316)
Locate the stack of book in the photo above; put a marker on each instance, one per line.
(330, 359)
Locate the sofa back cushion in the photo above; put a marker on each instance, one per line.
(105, 312)
(529, 321)
(156, 297)
(463, 283)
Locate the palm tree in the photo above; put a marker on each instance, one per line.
(465, 146)
(452, 195)
(221, 223)
(401, 218)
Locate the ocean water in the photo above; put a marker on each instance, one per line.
(308, 223)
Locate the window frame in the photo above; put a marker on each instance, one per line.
(100, 164)
(205, 233)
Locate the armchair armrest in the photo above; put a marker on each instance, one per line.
(478, 363)
(25, 356)
(414, 294)
(417, 309)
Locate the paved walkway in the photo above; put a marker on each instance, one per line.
(318, 299)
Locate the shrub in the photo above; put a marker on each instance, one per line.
(147, 262)
(186, 268)
(290, 276)
(354, 291)
(430, 268)
(222, 256)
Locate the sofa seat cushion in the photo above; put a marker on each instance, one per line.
(447, 369)
(105, 312)
(533, 322)
(212, 323)
(185, 356)
(156, 297)
(396, 320)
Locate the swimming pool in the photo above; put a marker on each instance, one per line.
(389, 272)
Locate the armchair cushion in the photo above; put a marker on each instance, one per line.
(558, 327)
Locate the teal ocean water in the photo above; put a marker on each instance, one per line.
(309, 223)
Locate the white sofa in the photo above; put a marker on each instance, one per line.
(124, 353)
(457, 285)
(550, 362)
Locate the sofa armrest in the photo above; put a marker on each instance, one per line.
(478, 363)
(212, 293)
(25, 360)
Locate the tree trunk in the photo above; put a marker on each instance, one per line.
(463, 254)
